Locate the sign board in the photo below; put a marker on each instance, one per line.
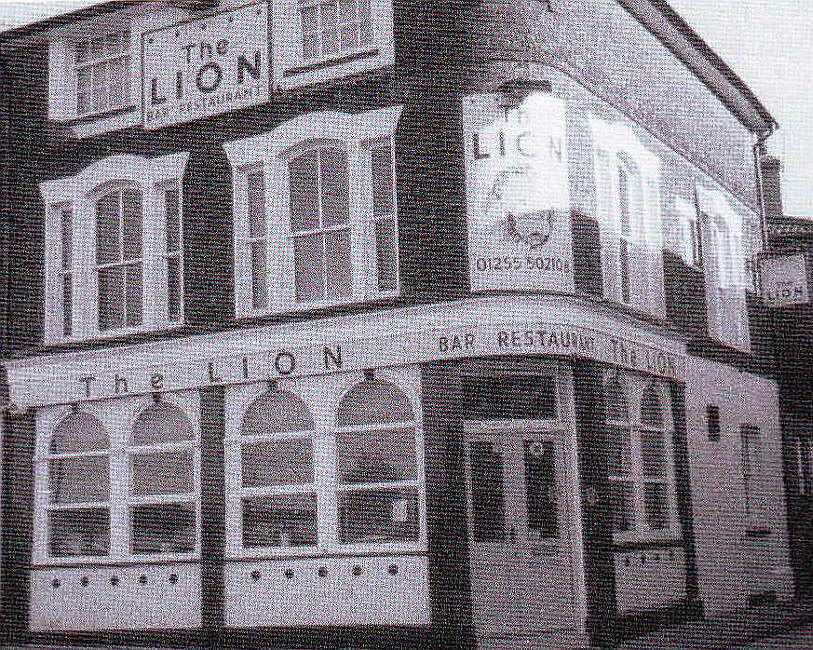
(518, 195)
(205, 67)
(784, 280)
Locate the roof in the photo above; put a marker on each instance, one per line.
(667, 25)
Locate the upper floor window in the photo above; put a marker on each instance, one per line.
(114, 238)
(103, 75)
(640, 458)
(627, 183)
(724, 266)
(689, 244)
(330, 235)
(316, 40)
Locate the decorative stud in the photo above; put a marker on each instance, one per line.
(357, 570)
(322, 572)
(84, 581)
(289, 573)
(255, 575)
(114, 580)
(142, 579)
(393, 569)
(173, 578)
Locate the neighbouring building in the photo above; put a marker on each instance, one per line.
(383, 322)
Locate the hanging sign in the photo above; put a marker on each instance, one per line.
(518, 197)
(205, 67)
(784, 280)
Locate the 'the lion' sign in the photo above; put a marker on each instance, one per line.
(517, 185)
(205, 67)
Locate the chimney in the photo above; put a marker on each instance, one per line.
(771, 188)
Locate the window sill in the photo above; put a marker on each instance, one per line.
(321, 64)
(645, 541)
(119, 333)
(295, 308)
(346, 551)
(101, 562)
(92, 117)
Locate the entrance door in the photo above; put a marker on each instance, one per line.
(519, 534)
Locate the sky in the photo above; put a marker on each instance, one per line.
(768, 43)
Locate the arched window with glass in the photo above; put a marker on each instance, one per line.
(278, 491)
(622, 481)
(78, 510)
(119, 257)
(377, 459)
(163, 461)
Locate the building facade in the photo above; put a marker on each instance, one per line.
(383, 322)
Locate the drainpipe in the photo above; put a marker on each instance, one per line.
(761, 150)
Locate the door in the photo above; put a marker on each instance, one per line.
(519, 534)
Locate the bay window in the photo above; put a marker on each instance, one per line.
(627, 194)
(113, 237)
(333, 27)
(640, 458)
(102, 73)
(116, 481)
(328, 233)
(725, 273)
(305, 479)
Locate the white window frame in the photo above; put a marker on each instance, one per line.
(322, 395)
(106, 60)
(80, 193)
(118, 418)
(293, 69)
(271, 151)
(616, 147)
(690, 245)
(724, 267)
(633, 386)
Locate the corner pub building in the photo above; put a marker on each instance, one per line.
(382, 323)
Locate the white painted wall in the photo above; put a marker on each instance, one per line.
(732, 566)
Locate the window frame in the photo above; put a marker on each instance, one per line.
(322, 396)
(118, 418)
(617, 147)
(634, 387)
(80, 193)
(107, 59)
(272, 152)
(340, 52)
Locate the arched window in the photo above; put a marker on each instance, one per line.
(641, 467)
(79, 481)
(377, 465)
(119, 258)
(163, 510)
(278, 478)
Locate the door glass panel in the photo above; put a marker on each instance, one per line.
(487, 499)
(540, 489)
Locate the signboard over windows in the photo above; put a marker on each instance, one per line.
(206, 67)
(784, 281)
(518, 195)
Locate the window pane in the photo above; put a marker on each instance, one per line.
(540, 489)
(100, 87)
(79, 432)
(386, 255)
(108, 244)
(337, 254)
(126, 79)
(653, 453)
(349, 37)
(620, 459)
(168, 528)
(328, 14)
(616, 401)
(276, 412)
(66, 223)
(83, 102)
(383, 202)
(135, 296)
(310, 45)
(330, 41)
(363, 8)
(304, 183)
(278, 462)
(375, 516)
(79, 532)
(347, 10)
(657, 508)
(624, 202)
(255, 183)
(309, 19)
(79, 480)
(377, 456)
(335, 187)
(113, 43)
(651, 409)
(259, 275)
(531, 398)
(280, 521)
(172, 203)
(131, 201)
(487, 498)
(116, 83)
(162, 423)
(374, 402)
(67, 304)
(174, 288)
(625, 270)
(97, 48)
(82, 52)
(622, 505)
(309, 268)
(164, 473)
(365, 32)
(111, 298)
